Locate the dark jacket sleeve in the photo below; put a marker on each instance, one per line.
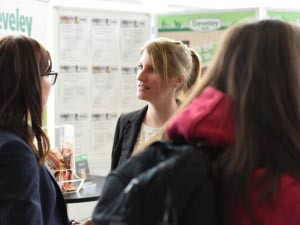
(19, 185)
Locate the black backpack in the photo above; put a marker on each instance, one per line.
(166, 184)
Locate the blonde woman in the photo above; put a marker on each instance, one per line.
(167, 69)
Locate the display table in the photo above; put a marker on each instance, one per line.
(89, 192)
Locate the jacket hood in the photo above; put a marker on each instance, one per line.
(207, 119)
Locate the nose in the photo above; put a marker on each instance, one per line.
(141, 75)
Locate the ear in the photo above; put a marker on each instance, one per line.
(178, 81)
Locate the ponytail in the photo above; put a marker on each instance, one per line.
(195, 72)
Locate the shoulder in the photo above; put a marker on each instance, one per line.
(8, 136)
(284, 207)
(18, 160)
(13, 143)
(288, 197)
(133, 116)
(14, 152)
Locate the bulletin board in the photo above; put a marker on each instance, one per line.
(96, 55)
(201, 30)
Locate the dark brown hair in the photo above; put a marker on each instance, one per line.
(23, 61)
(258, 66)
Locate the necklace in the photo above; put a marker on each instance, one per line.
(148, 132)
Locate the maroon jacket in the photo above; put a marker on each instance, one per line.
(209, 119)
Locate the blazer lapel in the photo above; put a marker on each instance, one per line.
(130, 133)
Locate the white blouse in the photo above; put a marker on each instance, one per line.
(144, 135)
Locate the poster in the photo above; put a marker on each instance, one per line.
(97, 54)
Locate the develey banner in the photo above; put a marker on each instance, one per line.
(15, 21)
(27, 17)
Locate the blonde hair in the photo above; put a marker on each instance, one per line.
(172, 58)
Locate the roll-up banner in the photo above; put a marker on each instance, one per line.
(201, 30)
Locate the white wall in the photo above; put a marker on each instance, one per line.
(163, 6)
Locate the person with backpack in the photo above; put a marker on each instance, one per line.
(248, 104)
(247, 107)
(167, 70)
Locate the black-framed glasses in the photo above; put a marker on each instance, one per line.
(52, 77)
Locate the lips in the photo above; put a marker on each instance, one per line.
(142, 87)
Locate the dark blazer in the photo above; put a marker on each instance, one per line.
(127, 130)
(29, 193)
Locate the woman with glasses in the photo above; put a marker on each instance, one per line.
(29, 193)
(52, 77)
